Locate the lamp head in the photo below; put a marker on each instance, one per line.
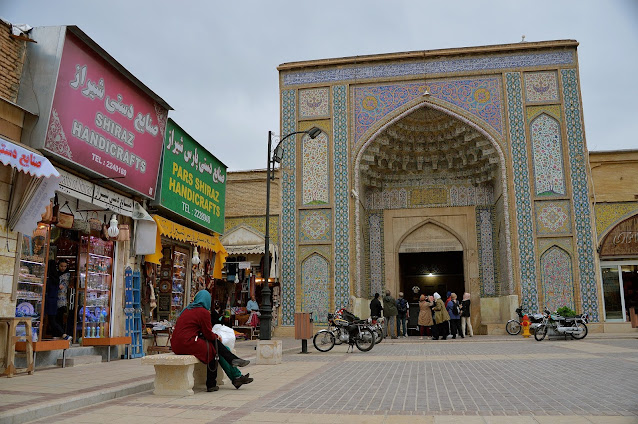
(278, 154)
(113, 229)
(195, 260)
(313, 132)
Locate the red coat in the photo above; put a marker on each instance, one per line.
(192, 324)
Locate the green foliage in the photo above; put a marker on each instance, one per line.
(566, 311)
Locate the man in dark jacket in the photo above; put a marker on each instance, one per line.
(375, 306)
(390, 314)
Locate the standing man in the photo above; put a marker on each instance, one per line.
(403, 313)
(375, 306)
(390, 314)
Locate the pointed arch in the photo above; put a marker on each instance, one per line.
(315, 170)
(557, 280)
(397, 116)
(315, 286)
(547, 156)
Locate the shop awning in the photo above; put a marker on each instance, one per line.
(32, 188)
(25, 160)
(170, 229)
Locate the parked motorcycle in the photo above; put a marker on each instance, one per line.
(513, 326)
(376, 325)
(556, 325)
(354, 333)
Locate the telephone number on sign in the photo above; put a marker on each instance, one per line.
(116, 168)
(201, 215)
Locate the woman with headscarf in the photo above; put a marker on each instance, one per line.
(441, 317)
(193, 335)
(425, 315)
(465, 315)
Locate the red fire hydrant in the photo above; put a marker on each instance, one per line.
(525, 325)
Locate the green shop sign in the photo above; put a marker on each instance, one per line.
(193, 180)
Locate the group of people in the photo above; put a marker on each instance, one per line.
(437, 318)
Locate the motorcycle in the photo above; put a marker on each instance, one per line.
(376, 325)
(556, 325)
(355, 333)
(513, 326)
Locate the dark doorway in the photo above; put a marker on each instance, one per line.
(429, 272)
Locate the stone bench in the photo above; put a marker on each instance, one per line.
(176, 375)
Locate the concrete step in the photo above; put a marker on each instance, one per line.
(74, 361)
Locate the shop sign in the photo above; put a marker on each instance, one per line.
(103, 122)
(193, 182)
(99, 196)
(622, 240)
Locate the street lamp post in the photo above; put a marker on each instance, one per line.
(266, 307)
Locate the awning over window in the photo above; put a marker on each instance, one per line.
(170, 229)
(25, 160)
(32, 188)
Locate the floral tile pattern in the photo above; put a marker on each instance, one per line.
(428, 67)
(541, 86)
(341, 197)
(557, 279)
(315, 170)
(479, 96)
(314, 103)
(315, 287)
(547, 155)
(580, 189)
(610, 214)
(288, 211)
(522, 192)
(375, 221)
(487, 258)
(553, 217)
(315, 225)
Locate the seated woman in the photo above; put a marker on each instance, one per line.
(193, 335)
(217, 317)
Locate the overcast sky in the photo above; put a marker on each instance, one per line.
(215, 62)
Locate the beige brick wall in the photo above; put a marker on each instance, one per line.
(12, 54)
(246, 194)
(615, 176)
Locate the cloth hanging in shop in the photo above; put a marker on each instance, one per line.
(32, 188)
(145, 231)
(168, 228)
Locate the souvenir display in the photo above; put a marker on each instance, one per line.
(94, 294)
(31, 278)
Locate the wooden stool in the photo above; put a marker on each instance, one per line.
(12, 323)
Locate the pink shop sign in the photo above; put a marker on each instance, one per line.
(101, 121)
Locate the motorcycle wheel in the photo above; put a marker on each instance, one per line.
(513, 327)
(541, 332)
(324, 341)
(365, 340)
(583, 333)
(378, 336)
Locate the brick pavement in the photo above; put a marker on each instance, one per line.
(476, 380)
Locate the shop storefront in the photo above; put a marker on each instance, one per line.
(190, 216)
(36, 180)
(103, 129)
(619, 271)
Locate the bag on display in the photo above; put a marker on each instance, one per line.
(124, 234)
(65, 219)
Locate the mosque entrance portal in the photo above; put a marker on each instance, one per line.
(426, 273)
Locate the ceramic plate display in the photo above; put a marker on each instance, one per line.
(25, 308)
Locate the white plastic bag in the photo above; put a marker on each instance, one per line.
(227, 335)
